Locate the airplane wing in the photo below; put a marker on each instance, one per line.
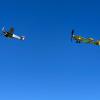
(11, 30)
(88, 40)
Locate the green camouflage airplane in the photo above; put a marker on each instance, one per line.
(80, 39)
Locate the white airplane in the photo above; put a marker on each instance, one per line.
(10, 34)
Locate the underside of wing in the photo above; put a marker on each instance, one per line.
(11, 30)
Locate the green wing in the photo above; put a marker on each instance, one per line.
(88, 40)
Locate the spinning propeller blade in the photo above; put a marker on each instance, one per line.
(72, 33)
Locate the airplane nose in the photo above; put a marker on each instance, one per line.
(22, 37)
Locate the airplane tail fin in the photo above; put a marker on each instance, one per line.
(3, 29)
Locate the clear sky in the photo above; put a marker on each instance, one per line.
(47, 66)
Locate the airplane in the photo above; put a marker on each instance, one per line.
(10, 34)
(80, 39)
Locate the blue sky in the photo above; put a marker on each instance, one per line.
(47, 66)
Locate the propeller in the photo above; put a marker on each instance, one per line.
(72, 33)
